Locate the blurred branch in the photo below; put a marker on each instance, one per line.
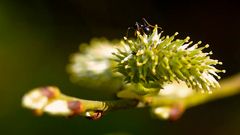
(229, 87)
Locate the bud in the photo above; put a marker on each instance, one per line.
(171, 113)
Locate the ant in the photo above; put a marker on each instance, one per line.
(145, 27)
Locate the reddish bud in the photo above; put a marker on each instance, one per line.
(50, 92)
(75, 106)
(176, 112)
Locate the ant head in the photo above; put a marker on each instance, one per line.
(143, 28)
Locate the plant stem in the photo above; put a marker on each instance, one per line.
(63, 105)
(91, 105)
(229, 87)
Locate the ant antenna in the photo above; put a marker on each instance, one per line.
(146, 22)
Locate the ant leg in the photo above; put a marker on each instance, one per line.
(129, 28)
(139, 27)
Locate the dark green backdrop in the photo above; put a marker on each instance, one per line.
(37, 37)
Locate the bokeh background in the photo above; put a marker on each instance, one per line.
(37, 37)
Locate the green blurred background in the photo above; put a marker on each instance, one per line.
(37, 37)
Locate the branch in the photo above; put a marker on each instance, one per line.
(229, 87)
(172, 108)
(52, 101)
